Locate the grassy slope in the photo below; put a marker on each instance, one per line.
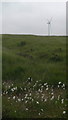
(42, 58)
(25, 56)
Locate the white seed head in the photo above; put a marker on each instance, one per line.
(6, 92)
(52, 93)
(58, 97)
(45, 100)
(42, 86)
(59, 83)
(30, 94)
(42, 110)
(58, 86)
(63, 85)
(37, 102)
(12, 84)
(8, 98)
(26, 101)
(62, 101)
(26, 109)
(12, 90)
(52, 97)
(24, 88)
(32, 100)
(45, 84)
(13, 97)
(64, 112)
(9, 86)
(39, 114)
(19, 100)
(46, 88)
(36, 81)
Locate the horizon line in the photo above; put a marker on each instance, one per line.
(32, 34)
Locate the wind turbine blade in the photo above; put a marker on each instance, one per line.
(47, 20)
(51, 19)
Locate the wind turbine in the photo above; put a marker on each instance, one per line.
(49, 26)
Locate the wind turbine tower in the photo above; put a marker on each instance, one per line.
(49, 26)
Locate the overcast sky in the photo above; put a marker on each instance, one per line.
(31, 17)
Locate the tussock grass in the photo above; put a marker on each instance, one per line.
(41, 58)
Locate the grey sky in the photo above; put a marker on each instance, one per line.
(33, 0)
(31, 17)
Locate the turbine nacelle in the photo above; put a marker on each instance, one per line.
(48, 22)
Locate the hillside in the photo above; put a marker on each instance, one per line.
(34, 76)
(39, 57)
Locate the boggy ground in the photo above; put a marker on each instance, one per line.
(34, 76)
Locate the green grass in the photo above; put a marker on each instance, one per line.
(44, 60)
(39, 57)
